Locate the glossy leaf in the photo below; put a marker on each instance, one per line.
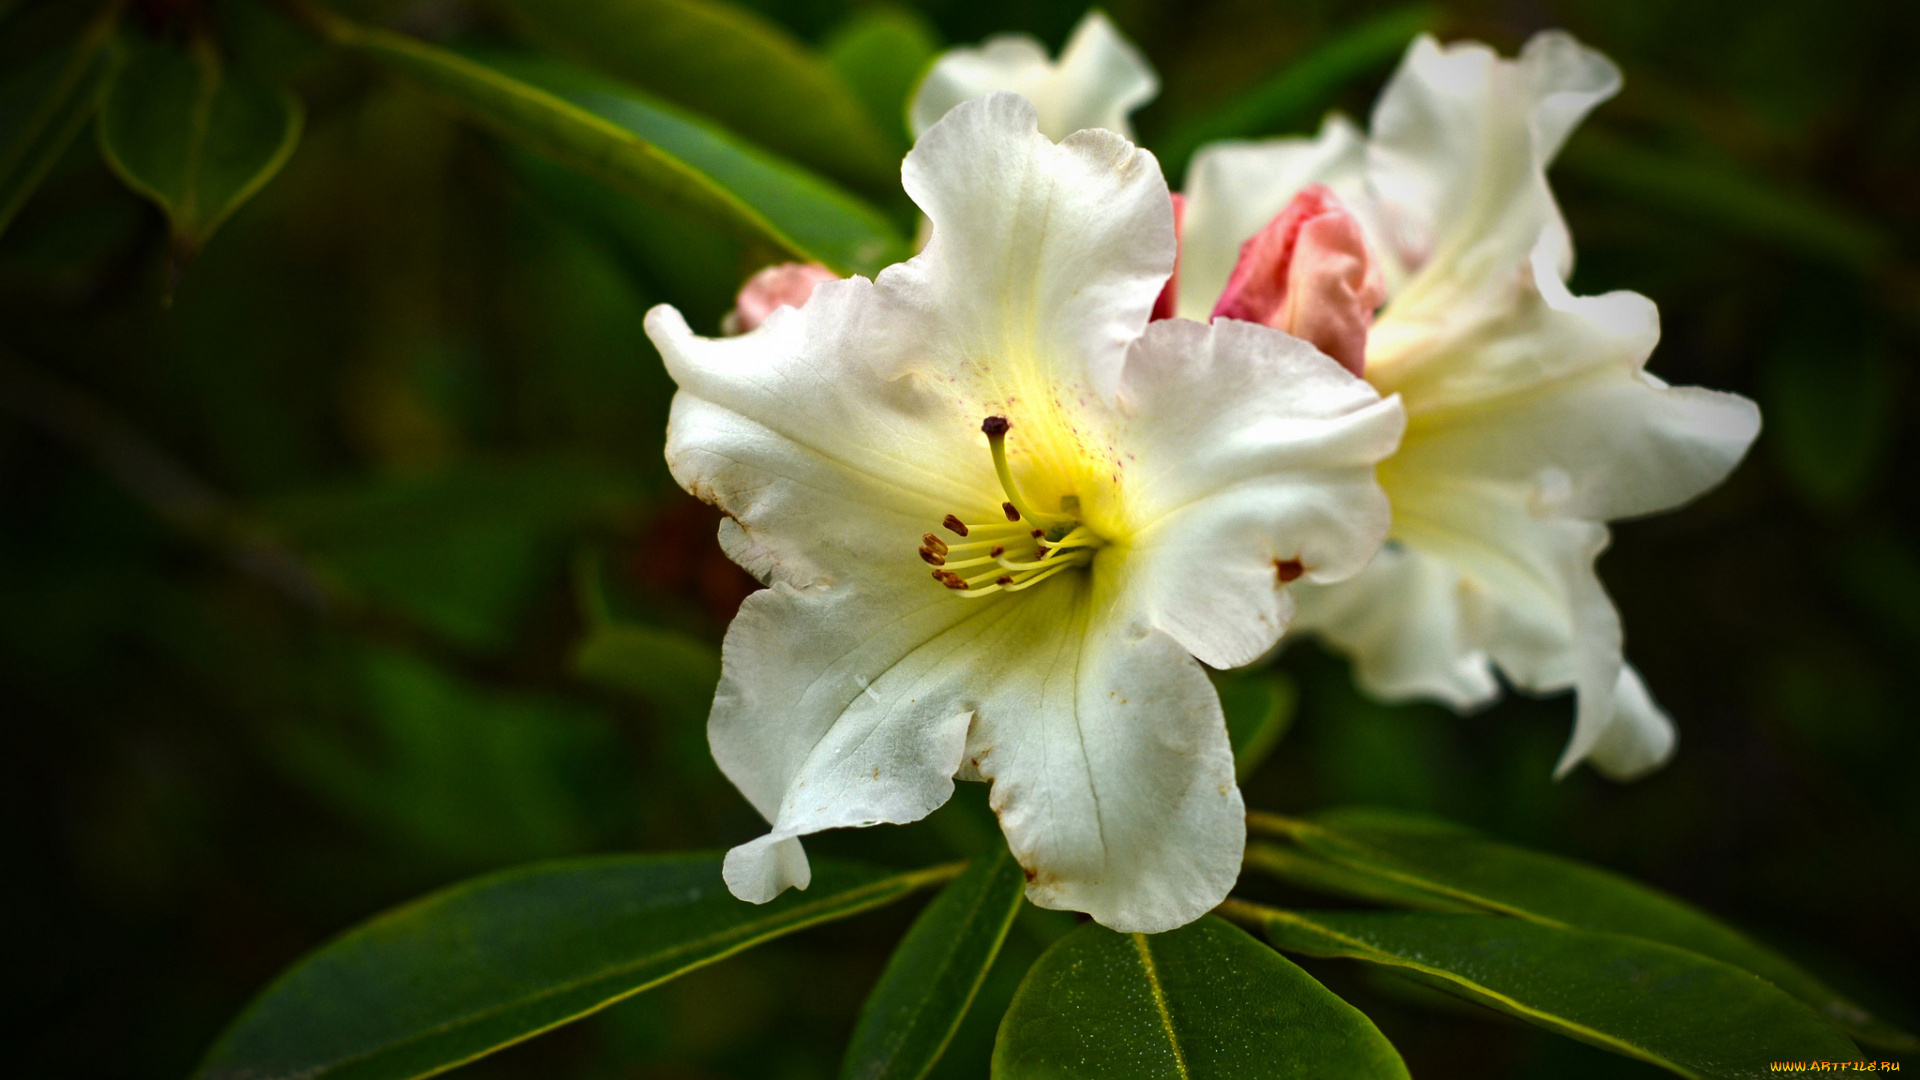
(1304, 87)
(43, 105)
(833, 226)
(556, 128)
(730, 64)
(195, 137)
(1305, 871)
(1457, 865)
(1685, 1012)
(485, 964)
(883, 53)
(1259, 710)
(933, 976)
(1201, 1002)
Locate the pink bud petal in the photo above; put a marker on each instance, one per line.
(784, 285)
(1309, 273)
(1163, 304)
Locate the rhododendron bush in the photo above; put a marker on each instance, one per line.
(892, 475)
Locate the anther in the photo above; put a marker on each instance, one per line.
(998, 550)
(938, 545)
(955, 525)
(995, 426)
(1013, 512)
(932, 557)
(1003, 579)
(1038, 533)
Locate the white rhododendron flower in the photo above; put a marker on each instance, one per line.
(1000, 516)
(1099, 80)
(1531, 418)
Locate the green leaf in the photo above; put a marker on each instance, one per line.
(464, 972)
(673, 670)
(729, 64)
(1306, 871)
(1303, 88)
(1727, 197)
(43, 105)
(1196, 1003)
(933, 976)
(831, 225)
(1455, 864)
(882, 53)
(1692, 1015)
(193, 136)
(1259, 710)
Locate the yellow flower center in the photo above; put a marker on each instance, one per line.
(1018, 553)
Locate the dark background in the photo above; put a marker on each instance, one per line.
(292, 571)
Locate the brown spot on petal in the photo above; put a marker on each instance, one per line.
(1287, 569)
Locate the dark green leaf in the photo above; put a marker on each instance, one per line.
(1259, 709)
(485, 964)
(194, 136)
(1728, 197)
(731, 65)
(1199, 1002)
(1695, 1016)
(43, 105)
(1457, 865)
(882, 53)
(832, 226)
(935, 973)
(1303, 88)
(1306, 871)
(565, 132)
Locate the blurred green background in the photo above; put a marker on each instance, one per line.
(340, 562)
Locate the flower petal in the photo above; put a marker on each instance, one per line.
(1235, 188)
(1640, 737)
(1100, 79)
(1248, 461)
(1460, 144)
(1111, 770)
(1044, 260)
(824, 469)
(1408, 623)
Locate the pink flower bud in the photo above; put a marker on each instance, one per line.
(1309, 273)
(783, 285)
(1163, 305)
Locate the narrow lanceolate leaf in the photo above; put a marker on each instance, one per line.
(194, 136)
(488, 963)
(730, 64)
(1460, 866)
(1694, 1016)
(1202, 1002)
(44, 104)
(1303, 88)
(933, 976)
(835, 226)
(801, 219)
(1311, 872)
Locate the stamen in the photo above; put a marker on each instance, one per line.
(954, 524)
(937, 545)
(1012, 511)
(932, 557)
